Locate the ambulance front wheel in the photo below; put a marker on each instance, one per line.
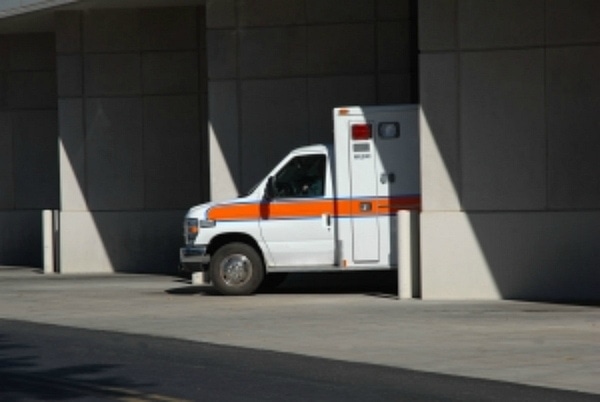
(236, 269)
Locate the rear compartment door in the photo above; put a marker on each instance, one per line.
(363, 191)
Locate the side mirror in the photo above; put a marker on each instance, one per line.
(269, 193)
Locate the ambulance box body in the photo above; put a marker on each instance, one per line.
(323, 208)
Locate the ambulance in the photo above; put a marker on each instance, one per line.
(323, 208)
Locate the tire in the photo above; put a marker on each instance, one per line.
(236, 269)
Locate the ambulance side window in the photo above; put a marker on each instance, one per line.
(303, 176)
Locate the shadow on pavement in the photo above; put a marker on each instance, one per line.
(52, 363)
(374, 284)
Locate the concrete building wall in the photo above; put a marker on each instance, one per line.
(132, 123)
(28, 146)
(510, 94)
(277, 68)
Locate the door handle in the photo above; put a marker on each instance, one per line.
(385, 178)
(326, 218)
(366, 207)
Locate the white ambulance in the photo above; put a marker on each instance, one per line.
(321, 209)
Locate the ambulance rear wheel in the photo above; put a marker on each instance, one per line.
(236, 269)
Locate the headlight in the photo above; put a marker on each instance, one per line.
(192, 226)
(190, 229)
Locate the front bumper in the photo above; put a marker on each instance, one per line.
(193, 258)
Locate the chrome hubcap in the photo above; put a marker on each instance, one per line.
(236, 269)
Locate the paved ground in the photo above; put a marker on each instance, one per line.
(542, 344)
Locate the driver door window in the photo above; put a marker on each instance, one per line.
(301, 177)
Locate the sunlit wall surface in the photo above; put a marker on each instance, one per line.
(511, 198)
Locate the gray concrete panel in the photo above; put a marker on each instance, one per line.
(271, 12)
(4, 53)
(120, 241)
(114, 145)
(170, 72)
(69, 75)
(394, 88)
(68, 31)
(571, 22)
(172, 152)
(511, 255)
(573, 101)
(393, 47)
(82, 248)
(503, 144)
(201, 28)
(272, 52)
(168, 28)
(325, 93)
(32, 52)
(332, 11)
(8, 4)
(440, 140)
(16, 7)
(72, 155)
(220, 14)
(21, 238)
(7, 194)
(203, 75)
(31, 90)
(36, 159)
(393, 9)
(274, 120)
(3, 91)
(114, 30)
(221, 54)
(437, 25)
(506, 23)
(225, 170)
(353, 44)
(112, 74)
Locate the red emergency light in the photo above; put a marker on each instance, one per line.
(361, 131)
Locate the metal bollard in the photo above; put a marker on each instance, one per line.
(50, 241)
(409, 280)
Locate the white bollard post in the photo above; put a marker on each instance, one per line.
(200, 278)
(408, 255)
(48, 240)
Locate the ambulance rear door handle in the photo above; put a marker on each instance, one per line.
(366, 207)
(326, 220)
(385, 178)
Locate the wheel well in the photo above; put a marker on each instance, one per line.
(223, 239)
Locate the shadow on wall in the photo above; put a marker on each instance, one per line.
(132, 136)
(21, 234)
(510, 155)
(276, 73)
(28, 156)
(541, 255)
